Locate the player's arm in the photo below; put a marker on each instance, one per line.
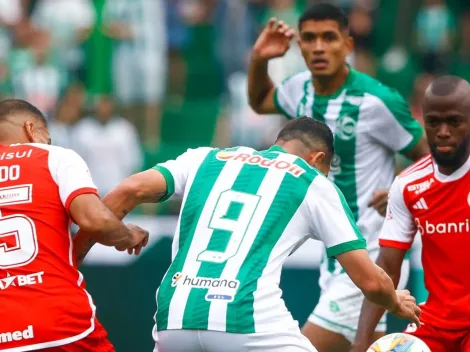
(274, 41)
(154, 185)
(101, 225)
(395, 239)
(345, 242)
(390, 260)
(80, 199)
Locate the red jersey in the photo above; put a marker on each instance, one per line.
(436, 206)
(43, 302)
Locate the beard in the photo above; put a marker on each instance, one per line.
(452, 159)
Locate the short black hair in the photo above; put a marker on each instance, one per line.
(445, 85)
(325, 11)
(16, 107)
(311, 133)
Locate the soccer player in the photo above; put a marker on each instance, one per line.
(370, 123)
(43, 302)
(243, 213)
(433, 197)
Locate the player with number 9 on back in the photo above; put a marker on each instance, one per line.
(43, 302)
(243, 212)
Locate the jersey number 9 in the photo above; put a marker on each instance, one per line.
(232, 213)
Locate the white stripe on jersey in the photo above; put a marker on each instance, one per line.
(267, 191)
(191, 266)
(419, 165)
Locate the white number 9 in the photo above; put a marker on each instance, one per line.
(237, 227)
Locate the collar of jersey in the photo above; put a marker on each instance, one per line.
(276, 148)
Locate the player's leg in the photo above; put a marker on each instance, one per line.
(325, 340)
(333, 323)
(285, 341)
(178, 341)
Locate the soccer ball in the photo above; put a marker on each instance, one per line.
(399, 343)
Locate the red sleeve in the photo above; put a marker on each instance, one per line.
(76, 193)
(394, 244)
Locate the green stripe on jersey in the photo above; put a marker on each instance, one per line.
(289, 197)
(345, 145)
(196, 313)
(205, 178)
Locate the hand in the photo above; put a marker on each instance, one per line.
(274, 40)
(139, 240)
(406, 307)
(379, 201)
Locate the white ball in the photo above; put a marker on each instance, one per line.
(399, 342)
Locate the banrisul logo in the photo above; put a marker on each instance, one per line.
(219, 289)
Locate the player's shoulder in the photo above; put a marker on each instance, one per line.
(298, 78)
(52, 149)
(418, 177)
(374, 91)
(55, 154)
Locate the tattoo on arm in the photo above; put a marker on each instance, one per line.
(84, 251)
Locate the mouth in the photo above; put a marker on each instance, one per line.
(444, 148)
(320, 63)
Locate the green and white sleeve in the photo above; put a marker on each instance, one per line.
(176, 171)
(391, 123)
(331, 220)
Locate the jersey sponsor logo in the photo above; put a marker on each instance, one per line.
(16, 195)
(420, 204)
(21, 280)
(421, 187)
(443, 227)
(19, 335)
(228, 287)
(258, 160)
(16, 155)
(346, 128)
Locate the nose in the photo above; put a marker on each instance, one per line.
(443, 131)
(319, 47)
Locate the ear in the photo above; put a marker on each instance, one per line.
(29, 131)
(348, 44)
(316, 158)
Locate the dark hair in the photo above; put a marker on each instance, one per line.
(311, 133)
(325, 11)
(15, 107)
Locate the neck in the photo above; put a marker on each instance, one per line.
(9, 135)
(328, 85)
(293, 147)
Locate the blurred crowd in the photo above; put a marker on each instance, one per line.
(127, 83)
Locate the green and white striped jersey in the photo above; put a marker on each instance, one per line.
(243, 213)
(371, 122)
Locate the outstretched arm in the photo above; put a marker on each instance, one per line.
(145, 187)
(390, 260)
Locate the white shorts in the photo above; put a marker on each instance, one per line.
(216, 341)
(339, 307)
